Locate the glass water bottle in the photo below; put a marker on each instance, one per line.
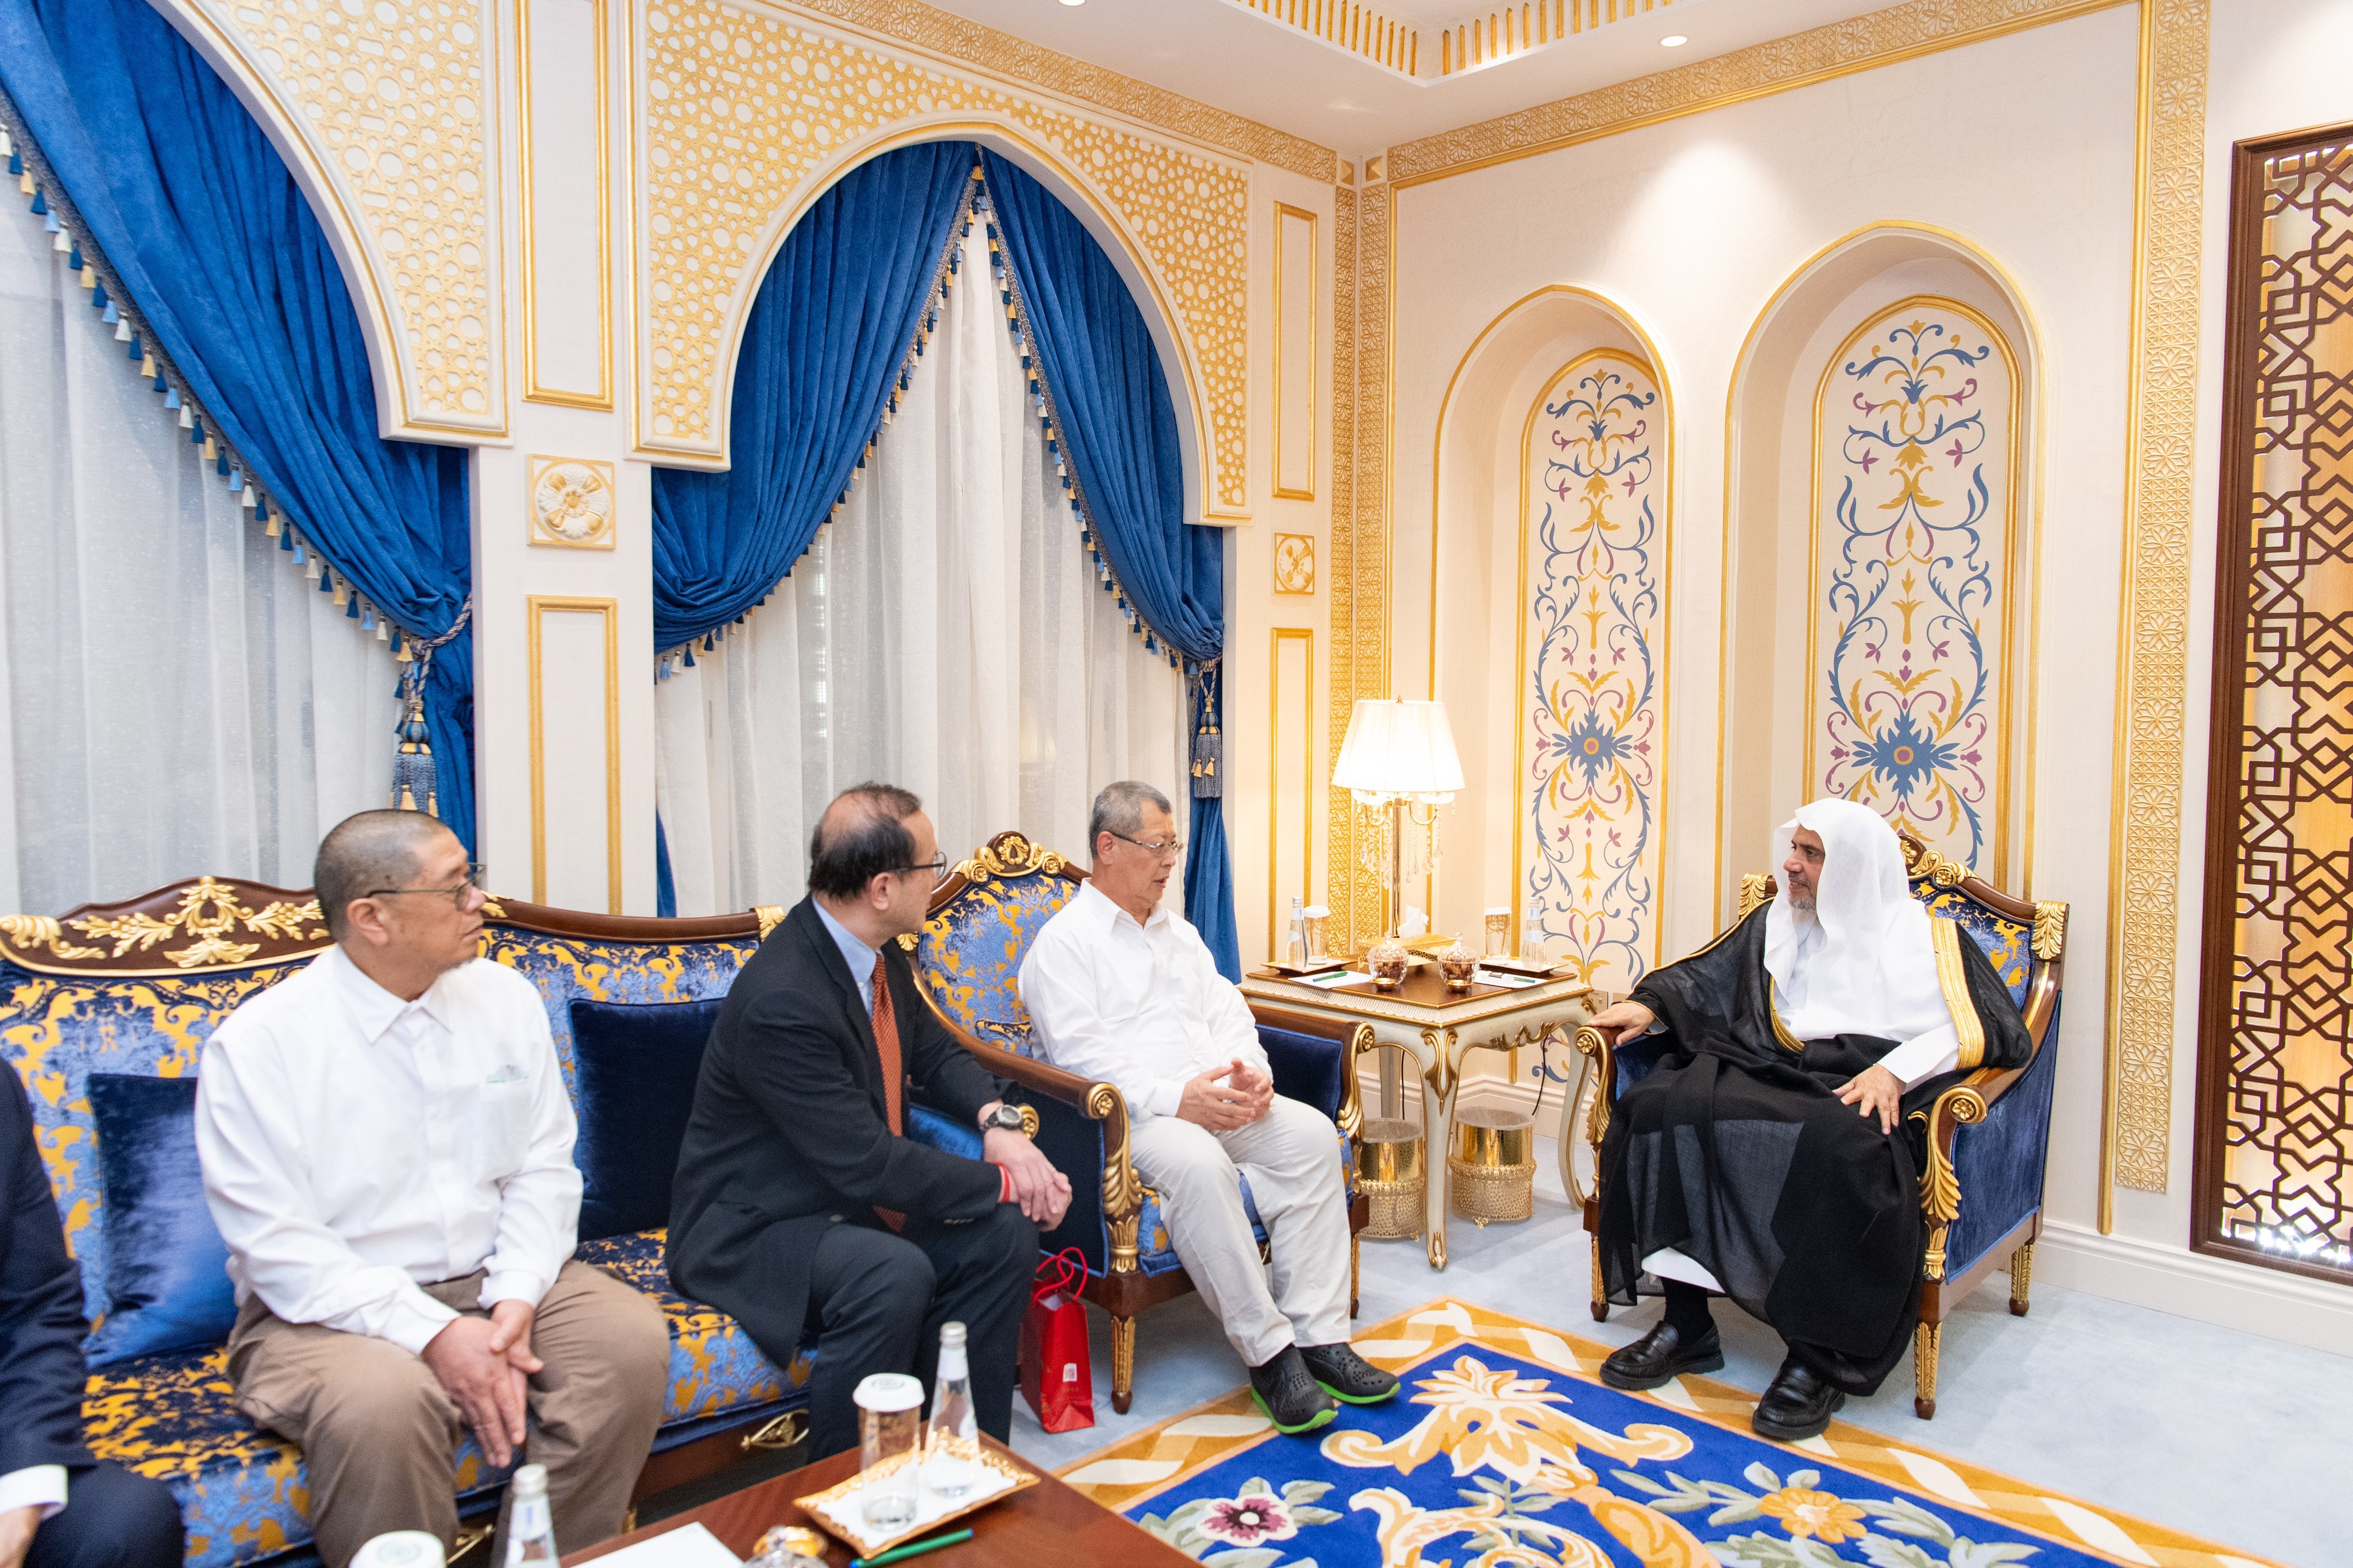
(526, 1537)
(952, 1446)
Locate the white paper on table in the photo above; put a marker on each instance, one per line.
(1516, 982)
(1345, 977)
(689, 1546)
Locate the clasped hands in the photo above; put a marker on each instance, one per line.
(1874, 1092)
(1043, 1192)
(1233, 1096)
(484, 1365)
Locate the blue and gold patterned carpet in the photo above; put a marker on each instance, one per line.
(1505, 1451)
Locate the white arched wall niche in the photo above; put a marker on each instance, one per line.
(1769, 659)
(1477, 546)
(1070, 187)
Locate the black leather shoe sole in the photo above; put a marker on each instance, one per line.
(1704, 1361)
(1814, 1426)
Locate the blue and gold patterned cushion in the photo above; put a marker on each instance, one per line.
(969, 953)
(242, 1490)
(2006, 943)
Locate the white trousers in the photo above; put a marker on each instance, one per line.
(1292, 1156)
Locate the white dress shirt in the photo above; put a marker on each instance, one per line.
(356, 1146)
(1140, 1006)
(35, 1486)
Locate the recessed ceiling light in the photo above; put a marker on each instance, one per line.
(1671, 41)
(1074, 2)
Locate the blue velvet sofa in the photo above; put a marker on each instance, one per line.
(104, 1012)
(1988, 1136)
(968, 957)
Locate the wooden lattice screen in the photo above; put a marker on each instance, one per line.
(2275, 1171)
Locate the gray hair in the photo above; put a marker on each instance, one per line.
(1120, 810)
(362, 853)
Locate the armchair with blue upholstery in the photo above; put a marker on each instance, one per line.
(1988, 1136)
(968, 958)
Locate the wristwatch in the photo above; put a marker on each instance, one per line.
(1011, 1118)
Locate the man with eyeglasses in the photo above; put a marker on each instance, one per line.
(386, 1146)
(801, 1208)
(1121, 989)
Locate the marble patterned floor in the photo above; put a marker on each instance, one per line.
(2242, 1439)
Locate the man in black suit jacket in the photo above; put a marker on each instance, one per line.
(800, 1207)
(58, 1507)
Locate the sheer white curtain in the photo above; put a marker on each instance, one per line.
(175, 698)
(945, 633)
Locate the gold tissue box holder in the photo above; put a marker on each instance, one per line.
(1391, 1174)
(1492, 1169)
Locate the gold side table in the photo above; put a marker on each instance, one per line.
(1437, 1028)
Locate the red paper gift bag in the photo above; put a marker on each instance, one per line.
(1057, 1375)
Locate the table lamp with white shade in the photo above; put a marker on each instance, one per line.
(1400, 754)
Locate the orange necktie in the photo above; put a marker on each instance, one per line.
(886, 1042)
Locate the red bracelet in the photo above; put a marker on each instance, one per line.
(1004, 1184)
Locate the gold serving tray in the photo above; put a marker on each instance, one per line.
(850, 1530)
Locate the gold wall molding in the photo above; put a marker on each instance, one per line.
(527, 216)
(536, 608)
(745, 114)
(2152, 675)
(942, 33)
(1879, 38)
(384, 111)
(1294, 564)
(1362, 226)
(1277, 743)
(1284, 215)
(572, 501)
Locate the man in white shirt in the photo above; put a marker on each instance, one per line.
(388, 1151)
(1123, 990)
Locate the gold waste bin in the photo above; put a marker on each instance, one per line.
(1492, 1169)
(1390, 1174)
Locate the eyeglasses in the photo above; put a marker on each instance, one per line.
(937, 866)
(475, 874)
(1168, 850)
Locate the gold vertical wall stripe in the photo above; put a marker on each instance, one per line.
(535, 606)
(528, 220)
(2144, 816)
(1282, 213)
(1302, 710)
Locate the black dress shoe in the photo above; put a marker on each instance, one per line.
(1658, 1355)
(1347, 1376)
(1798, 1405)
(1290, 1394)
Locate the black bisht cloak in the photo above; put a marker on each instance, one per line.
(1736, 1151)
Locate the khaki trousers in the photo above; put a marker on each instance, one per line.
(1292, 1155)
(379, 1435)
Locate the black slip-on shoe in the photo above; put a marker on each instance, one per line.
(1290, 1394)
(1659, 1355)
(1347, 1376)
(1798, 1404)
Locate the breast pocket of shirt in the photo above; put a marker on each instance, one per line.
(503, 1116)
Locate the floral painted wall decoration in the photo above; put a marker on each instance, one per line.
(1592, 711)
(1910, 607)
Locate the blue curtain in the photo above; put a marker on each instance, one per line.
(1116, 416)
(218, 248)
(824, 349)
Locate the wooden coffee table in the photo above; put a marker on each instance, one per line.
(1042, 1524)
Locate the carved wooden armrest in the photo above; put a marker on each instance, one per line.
(1940, 1184)
(1591, 1042)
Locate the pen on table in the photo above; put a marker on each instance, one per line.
(917, 1549)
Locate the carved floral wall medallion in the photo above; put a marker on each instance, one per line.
(572, 501)
(1294, 564)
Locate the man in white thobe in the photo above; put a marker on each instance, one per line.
(1120, 990)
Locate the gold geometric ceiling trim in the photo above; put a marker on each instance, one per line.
(929, 27)
(385, 109)
(744, 113)
(2153, 674)
(1879, 38)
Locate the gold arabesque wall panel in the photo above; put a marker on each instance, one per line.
(745, 110)
(390, 105)
(2152, 676)
(1362, 226)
